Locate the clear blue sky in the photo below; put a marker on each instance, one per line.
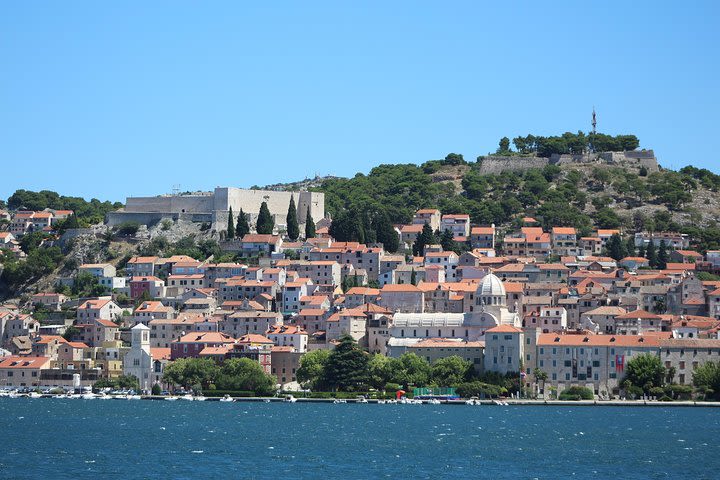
(110, 99)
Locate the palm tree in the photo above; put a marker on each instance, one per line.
(540, 376)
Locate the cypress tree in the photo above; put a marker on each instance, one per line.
(651, 254)
(616, 248)
(230, 233)
(426, 237)
(447, 241)
(243, 227)
(309, 225)
(293, 231)
(630, 246)
(265, 222)
(641, 251)
(413, 277)
(662, 256)
(386, 234)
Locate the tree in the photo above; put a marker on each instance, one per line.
(447, 241)
(230, 232)
(645, 371)
(195, 373)
(311, 373)
(662, 256)
(385, 233)
(651, 254)
(156, 389)
(707, 378)
(309, 225)
(245, 374)
(243, 227)
(450, 371)
(347, 366)
(265, 222)
(293, 230)
(616, 247)
(426, 237)
(504, 146)
(410, 369)
(413, 277)
(630, 246)
(379, 371)
(540, 376)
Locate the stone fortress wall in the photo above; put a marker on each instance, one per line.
(214, 206)
(494, 164)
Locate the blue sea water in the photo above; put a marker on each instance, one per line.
(89, 439)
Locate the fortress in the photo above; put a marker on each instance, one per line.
(213, 207)
(494, 164)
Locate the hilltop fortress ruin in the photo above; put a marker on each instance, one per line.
(494, 164)
(213, 207)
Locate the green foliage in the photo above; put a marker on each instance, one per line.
(380, 372)
(651, 255)
(86, 285)
(577, 393)
(71, 333)
(385, 233)
(230, 230)
(480, 389)
(707, 179)
(39, 262)
(265, 221)
(245, 374)
(450, 371)
(645, 371)
(89, 212)
(242, 227)
(309, 225)
(347, 366)
(195, 373)
(616, 248)
(311, 373)
(453, 159)
(426, 237)
(662, 256)
(707, 378)
(410, 370)
(293, 230)
(156, 389)
(127, 229)
(123, 382)
(574, 143)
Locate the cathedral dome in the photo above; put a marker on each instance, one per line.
(491, 286)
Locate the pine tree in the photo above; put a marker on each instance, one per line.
(662, 256)
(641, 251)
(413, 277)
(309, 225)
(651, 254)
(265, 222)
(230, 233)
(293, 231)
(243, 227)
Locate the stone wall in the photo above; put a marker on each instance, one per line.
(494, 164)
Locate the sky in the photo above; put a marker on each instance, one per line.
(117, 99)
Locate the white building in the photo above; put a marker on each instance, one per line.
(138, 361)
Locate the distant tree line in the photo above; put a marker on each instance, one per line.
(568, 142)
(87, 212)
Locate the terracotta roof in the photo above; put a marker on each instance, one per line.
(206, 337)
(482, 231)
(20, 362)
(403, 287)
(504, 329)
(254, 338)
(590, 339)
(446, 343)
(638, 314)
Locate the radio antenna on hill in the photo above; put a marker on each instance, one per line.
(594, 121)
(176, 189)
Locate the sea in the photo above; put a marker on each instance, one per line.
(124, 439)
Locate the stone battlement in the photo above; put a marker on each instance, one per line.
(494, 164)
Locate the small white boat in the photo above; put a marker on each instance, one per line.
(472, 402)
(267, 400)
(339, 400)
(89, 396)
(434, 401)
(361, 400)
(382, 402)
(187, 397)
(171, 398)
(227, 398)
(35, 395)
(290, 399)
(133, 397)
